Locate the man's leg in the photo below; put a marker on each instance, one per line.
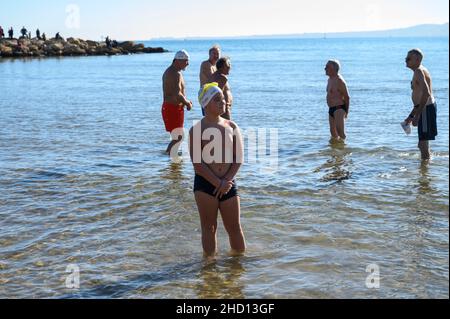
(424, 147)
(172, 144)
(177, 138)
(339, 116)
(333, 130)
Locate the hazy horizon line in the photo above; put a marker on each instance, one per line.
(295, 34)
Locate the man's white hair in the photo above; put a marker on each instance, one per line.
(418, 53)
(336, 64)
(214, 47)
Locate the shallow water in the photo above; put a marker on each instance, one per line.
(84, 180)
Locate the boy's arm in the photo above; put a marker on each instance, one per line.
(238, 153)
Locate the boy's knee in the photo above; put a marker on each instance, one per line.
(234, 230)
(210, 229)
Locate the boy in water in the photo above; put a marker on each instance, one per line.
(216, 150)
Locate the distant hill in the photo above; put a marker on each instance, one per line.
(424, 30)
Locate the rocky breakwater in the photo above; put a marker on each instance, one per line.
(19, 48)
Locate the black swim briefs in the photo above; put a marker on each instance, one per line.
(202, 185)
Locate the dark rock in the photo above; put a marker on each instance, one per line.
(154, 50)
(25, 47)
(127, 45)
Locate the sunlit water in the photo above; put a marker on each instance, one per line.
(84, 180)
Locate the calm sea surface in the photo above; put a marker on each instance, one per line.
(84, 182)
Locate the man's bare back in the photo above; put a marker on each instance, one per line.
(224, 85)
(173, 86)
(417, 85)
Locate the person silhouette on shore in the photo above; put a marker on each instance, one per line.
(44, 37)
(24, 32)
(11, 33)
(108, 42)
(58, 36)
(29, 35)
(2, 33)
(38, 34)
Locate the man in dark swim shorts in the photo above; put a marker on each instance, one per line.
(424, 112)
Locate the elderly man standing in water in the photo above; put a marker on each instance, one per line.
(175, 99)
(423, 114)
(338, 100)
(208, 67)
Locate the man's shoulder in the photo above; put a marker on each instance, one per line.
(205, 64)
(232, 124)
(222, 77)
(172, 75)
(425, 71)
(340, 79)
(420, 73)
(169, 70)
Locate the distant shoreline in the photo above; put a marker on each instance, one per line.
(214, 40)
(31, 48)
(426, 30)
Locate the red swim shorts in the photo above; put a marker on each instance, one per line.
(173, 116)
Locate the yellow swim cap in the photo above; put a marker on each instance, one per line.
(207, 92)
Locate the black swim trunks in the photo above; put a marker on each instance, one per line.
(202, 185)
(427, 123)
(335, 108)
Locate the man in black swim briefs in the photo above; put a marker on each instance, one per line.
(338, 100)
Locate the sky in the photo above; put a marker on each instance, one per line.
(149, 19)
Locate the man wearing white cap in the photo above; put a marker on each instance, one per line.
(175, 98)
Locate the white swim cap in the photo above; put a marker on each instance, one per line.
(207, 92)
(182, 55)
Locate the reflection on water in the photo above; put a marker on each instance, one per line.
(173, 171)
(221, 280)
(337, 166)
(424, 180)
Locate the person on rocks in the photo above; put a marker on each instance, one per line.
(24, 32)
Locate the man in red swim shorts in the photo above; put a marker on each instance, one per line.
(175, 98)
